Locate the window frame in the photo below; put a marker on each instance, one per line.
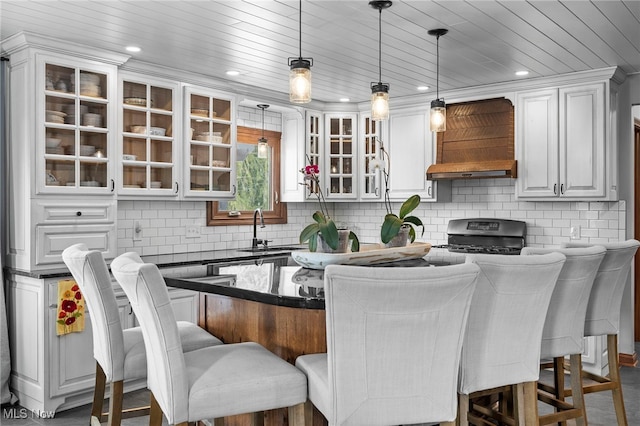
(278, 215)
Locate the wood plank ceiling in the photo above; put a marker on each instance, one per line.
(488, 41)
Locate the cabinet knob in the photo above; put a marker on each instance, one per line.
(78, 213)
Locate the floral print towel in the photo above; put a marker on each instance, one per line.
(70, 308)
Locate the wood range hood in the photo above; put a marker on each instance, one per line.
(478, 142)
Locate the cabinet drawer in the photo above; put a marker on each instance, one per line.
(73, 211)
(52, 240)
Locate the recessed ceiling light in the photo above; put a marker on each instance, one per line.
(233, 73)
(133, 49)
(344, 99)
(423, 88)
(520, 73)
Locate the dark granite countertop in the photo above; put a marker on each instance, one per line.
(277, 281)
(178, 259)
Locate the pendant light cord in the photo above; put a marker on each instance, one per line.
(300, 27)
(379, 45)
(438, 67)
(262, 122)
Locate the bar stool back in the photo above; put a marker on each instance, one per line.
(603, 316)
(209, 383)
(563, 333)
(119, 354)
(394, 337)
(501, 349)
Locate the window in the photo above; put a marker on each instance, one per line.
(258, 182)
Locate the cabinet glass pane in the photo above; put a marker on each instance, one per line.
(93, 174)
(93, 144)
(335, 146)
(135, 121)
(346, 126)
(134, 149)
(134, 94)
(161, 178)
(347, 185)
(93, 114)
(221, 180)
(161, 125)
(161, 98)
(346, 166)
(91, 84)
(347, 147)
(199, 155)
(161, 151)
(59, 78)
(135, 176)
(59, 172)
(199, 180)
(59, 141)
(335, 126)
(222, 109)
(335, 166)
(221, 157)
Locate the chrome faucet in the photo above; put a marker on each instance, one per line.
(256, 241)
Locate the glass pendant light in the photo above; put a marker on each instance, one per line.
(438, 113)
(380, 90)
(263, 148)
(300, 74)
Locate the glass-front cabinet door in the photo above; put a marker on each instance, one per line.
(76, 101)
(371, 184)
(149, 133)
(341, 135)
(210, 152)
(314, 145)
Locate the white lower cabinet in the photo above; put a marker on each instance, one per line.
(53, 373)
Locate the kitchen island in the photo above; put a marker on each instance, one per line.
(271, 301)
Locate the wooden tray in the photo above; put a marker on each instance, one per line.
(369, 254)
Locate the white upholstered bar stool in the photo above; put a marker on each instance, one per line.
(209, 383)
(603, 316)
(501, 348)
(119, 354)
(394, 337)
(563, 333)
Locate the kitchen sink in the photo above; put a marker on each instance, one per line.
(262, 249)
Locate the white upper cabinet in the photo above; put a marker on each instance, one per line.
(209, 143)
(75, 109)
(292, 156)
(371, 183)
(411, 150)
(339, 168)
(562, 147)
(149, 136)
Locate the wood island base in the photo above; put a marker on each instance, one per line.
(285, 331)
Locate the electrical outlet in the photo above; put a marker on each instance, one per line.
(137, 231)
(193, 231)
(574, 232)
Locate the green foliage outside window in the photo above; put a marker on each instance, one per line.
(253, 181)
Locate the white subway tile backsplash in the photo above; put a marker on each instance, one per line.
(548, 223)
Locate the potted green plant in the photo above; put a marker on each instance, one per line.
(400, 227)
(324, 228)
(393, 224)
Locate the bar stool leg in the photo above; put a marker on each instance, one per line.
(614, 374)
(98, 395)
(575, 365)
(115, 403)
(155, 412)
